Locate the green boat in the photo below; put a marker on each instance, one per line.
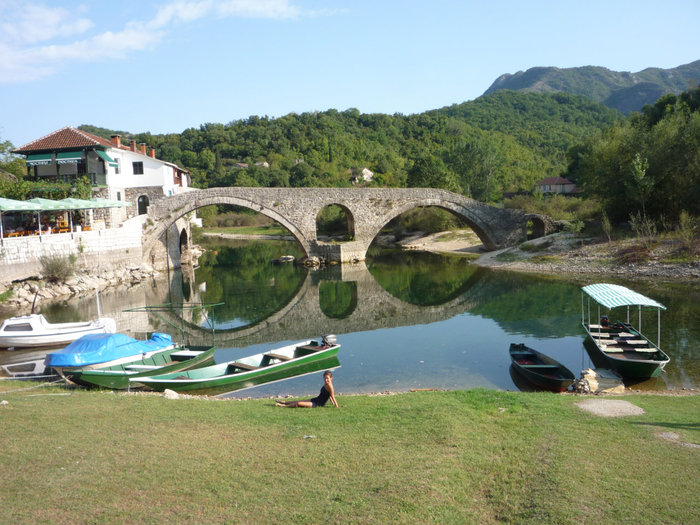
(175, 359)
(620, 346)
(265, 367)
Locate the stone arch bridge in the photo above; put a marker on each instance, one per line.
(368, 210)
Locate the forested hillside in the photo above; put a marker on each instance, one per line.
(620, 90)
(648, 165)
(498, 143)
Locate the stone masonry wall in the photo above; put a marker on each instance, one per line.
(98, 249)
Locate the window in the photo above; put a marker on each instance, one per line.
(138, 168)
(116, 168)
(23, 327)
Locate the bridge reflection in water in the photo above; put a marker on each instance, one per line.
(454, 334)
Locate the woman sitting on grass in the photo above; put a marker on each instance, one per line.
(320, 400)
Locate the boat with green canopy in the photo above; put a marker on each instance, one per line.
(281, 363)
(620, 346)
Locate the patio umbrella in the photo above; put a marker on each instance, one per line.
(14, 205)
(78, 204)
(48, 205)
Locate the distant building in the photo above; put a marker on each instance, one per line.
(556, 185)
(359, 175)
(263, 164)
(241, 165)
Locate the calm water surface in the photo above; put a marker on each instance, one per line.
(404, 319)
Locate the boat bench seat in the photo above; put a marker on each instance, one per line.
(647, 349)
(540, 366)
(612, 349)
(242, 366)
(141, 367)
(277, 356)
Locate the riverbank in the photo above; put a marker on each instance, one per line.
(478, 456)
(566, 254)
(22, 295)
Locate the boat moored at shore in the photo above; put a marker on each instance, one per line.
(620, 346)
(265, 367)
(35, 331)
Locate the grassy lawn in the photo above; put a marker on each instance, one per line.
(473, 456)
(272, 229)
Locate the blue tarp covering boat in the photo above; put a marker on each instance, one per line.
(100, 348)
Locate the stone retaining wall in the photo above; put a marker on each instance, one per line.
(99, 249)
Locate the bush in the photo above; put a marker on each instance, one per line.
(557, 207)
(686, 231)
(57, 269)
(427, 220)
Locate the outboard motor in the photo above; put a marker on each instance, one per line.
(329, 340)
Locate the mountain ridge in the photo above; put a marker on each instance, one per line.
(621, 90)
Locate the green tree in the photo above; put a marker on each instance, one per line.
(431, 172)
(640, 185)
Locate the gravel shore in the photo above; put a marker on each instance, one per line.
(563, 254)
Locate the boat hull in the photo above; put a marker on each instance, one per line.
(539, 369)
(219, 379)
(117, 377)
(33, 331)
(631, 364)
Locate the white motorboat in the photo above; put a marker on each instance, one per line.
(31, 331)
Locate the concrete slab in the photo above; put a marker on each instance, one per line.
(610, 407)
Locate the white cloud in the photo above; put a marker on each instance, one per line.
(35, 39)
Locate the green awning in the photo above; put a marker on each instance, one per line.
(39, 159)
(106, 158)
(77, 204)
(614, 295)
(49, 205)
(13, 205)
(69, 157)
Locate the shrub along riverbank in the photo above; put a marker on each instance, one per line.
(452, 457)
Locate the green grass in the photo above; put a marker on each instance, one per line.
(427, 457)
(273, 229)
(6, 294)
(508, 256)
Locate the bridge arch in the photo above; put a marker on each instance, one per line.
(349, 217)
(473, 220)
(187, 207)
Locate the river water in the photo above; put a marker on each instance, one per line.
(405, 320)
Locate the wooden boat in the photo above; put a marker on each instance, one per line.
(620, 346)
(172, 359)
(265, 367)
(105, 350)
(32, 331)
(540, 369)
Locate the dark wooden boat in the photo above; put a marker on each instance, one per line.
(540, 369)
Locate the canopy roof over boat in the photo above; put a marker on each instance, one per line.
(614, 295)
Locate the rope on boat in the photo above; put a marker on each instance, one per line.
(31, 387)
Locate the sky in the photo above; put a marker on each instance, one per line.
(167, 65)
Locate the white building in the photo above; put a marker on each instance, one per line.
(116, 171)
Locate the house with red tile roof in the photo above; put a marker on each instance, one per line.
(557, 185)
(116, 171)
